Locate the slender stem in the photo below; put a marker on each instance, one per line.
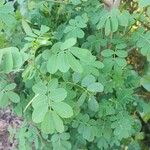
(110, 43)
(30, 102)
(77, 85)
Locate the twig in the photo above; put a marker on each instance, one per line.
(110, 4)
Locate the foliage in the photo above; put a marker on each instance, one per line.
(64, 70)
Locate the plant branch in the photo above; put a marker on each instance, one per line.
(110, 4)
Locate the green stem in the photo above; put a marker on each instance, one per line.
(77, 85)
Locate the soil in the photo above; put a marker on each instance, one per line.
(8, 120)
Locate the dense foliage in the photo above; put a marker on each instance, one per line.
(65, 68)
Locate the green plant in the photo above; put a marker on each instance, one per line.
(67, 74)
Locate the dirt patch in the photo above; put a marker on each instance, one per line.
(8, 120)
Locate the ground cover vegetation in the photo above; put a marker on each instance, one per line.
(77, 73)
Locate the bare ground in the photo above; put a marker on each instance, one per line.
(8, 120)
